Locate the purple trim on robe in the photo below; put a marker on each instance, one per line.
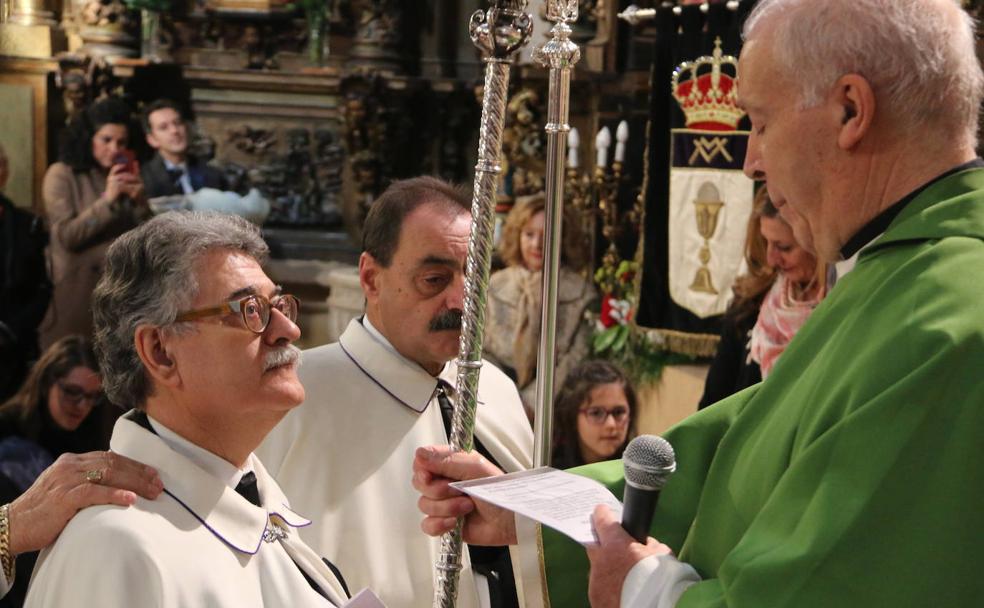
(380, 384)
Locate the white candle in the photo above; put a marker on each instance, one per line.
(621, 136)
(603, 140)
(573, 141)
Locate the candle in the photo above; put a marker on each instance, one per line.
(602, 142)
(573, 141)
(621, 136)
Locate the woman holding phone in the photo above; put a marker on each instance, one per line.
(91, 195)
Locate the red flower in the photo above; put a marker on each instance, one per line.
(606, 311)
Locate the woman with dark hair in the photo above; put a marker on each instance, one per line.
(783, 285)
(594, 415)
(49, 416)
(51, 409)
(512, 331)
(91, 196)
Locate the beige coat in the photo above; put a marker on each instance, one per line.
(82, 224)
(512, 330)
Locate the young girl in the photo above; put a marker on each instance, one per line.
(594, 415)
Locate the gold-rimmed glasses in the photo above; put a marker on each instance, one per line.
(254, 309)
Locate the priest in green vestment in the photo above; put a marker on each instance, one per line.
(854, 475)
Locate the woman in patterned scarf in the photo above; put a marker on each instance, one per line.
(783, 285)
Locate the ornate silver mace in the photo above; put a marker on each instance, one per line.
(499, 33)
(559, 54)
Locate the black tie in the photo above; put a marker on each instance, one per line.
(493, 562)
(248, 490)
(447, 409)
(175, 174)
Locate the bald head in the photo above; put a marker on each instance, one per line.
(918, 55)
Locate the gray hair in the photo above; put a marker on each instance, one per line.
(149, 278)
(918, 55)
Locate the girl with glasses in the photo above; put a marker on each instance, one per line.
(594, 415)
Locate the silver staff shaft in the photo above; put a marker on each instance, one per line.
(635, 15)
(499, 33)
(559, 54)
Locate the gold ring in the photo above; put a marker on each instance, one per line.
(94, 476)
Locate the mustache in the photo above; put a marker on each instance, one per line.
(288, 355)
(447, 320)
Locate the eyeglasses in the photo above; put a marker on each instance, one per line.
(255, 310)
(74, 395)
(598, 415)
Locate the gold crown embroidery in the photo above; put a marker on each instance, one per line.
(706, 93)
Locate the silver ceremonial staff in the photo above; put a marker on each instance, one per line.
(499, 33)
(559, 54)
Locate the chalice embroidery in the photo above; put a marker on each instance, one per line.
(708, 208)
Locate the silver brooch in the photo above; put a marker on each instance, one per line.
(274, 533)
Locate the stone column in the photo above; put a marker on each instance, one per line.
(30, 12)
(30, 30)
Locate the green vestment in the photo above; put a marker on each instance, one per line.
(854, 475)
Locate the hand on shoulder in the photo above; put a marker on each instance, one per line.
(72, 483)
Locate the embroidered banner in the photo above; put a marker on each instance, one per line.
(710, 201)
(696, 199)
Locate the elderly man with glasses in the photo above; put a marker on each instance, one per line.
(194, 336)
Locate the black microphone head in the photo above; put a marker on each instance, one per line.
(649, 461)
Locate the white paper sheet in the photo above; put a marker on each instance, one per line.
(365, 599)
(554, 498)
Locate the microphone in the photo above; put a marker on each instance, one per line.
(649, 461)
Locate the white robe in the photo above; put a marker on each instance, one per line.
(198, 544)
(345, 458)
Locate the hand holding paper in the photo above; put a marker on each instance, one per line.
(434, 467)
(554, 498)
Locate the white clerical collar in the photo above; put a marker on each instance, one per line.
(215, 465)
(842, 267)
(221, 509)
(388, 345)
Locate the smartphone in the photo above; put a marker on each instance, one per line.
(127, 158)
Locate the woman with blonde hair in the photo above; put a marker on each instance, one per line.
(783, 285)
(512, 332)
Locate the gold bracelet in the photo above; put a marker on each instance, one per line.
(6, 559)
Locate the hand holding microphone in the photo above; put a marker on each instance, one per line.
(648, 462)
